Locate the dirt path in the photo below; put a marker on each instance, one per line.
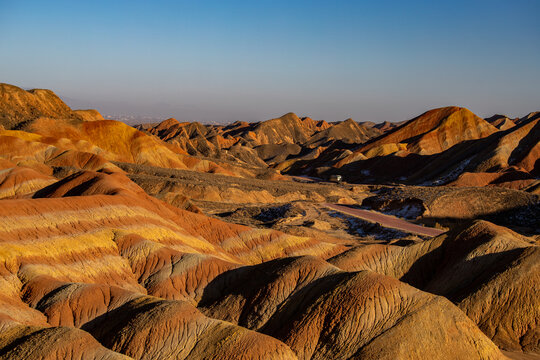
(386, 220)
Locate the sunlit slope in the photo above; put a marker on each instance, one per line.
(436, 130)
(39, 116)
(92, 257)
(489, 271)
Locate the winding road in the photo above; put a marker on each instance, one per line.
(386, 220)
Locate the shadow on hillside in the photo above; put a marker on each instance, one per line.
(257, 282)
(445, 271)
(526, 143)
(522, 219)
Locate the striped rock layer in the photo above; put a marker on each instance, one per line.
(92, 267)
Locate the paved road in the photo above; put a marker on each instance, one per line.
(386, 220)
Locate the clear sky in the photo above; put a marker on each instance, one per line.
(252, 60)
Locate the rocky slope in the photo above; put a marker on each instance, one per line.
(37, 126)
(113, 243)
(506, 158)
(271, 142)
(501, 122)
(92, 257)
(500, 297)
(17, 106)
(441, 146)
(432, 132)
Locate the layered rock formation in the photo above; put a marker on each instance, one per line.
(448, 145)
(271, 142)
(37, 121)
(433, 132)
(500, 297)
(501, 122)
(107, 250)
(94, 252)
(445, 145)
(17, 106)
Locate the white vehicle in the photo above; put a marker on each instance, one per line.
(336, 178)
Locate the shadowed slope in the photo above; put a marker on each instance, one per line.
(501, 122)
(348, 131)
(73, 260)
(512, 154)
(322, 312)
(430, 133)
(503, 263)
(366, 315)
(250, 296)
(435, 131)
(19, 181)
(53, 343)
(150, 328)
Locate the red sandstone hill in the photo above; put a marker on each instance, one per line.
(499, 296)
(18, 106)
(290, 129)
(506, 158)
(45, 124)
(94, 266)
(386, 126)
(435, 131)
(261, 144)
(442, 145)
(348, 131)
(501, 122)
(512, 154)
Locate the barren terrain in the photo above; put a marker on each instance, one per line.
(179, 240)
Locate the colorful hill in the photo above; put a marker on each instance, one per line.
(41, 118)
(435, 131)
(477, 154)
(114, 244)
(288, 138)
(93, 257)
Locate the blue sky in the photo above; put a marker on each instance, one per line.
(252, 60)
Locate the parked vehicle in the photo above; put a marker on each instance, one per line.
(336, 178)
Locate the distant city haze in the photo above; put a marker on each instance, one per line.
(222, 61)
